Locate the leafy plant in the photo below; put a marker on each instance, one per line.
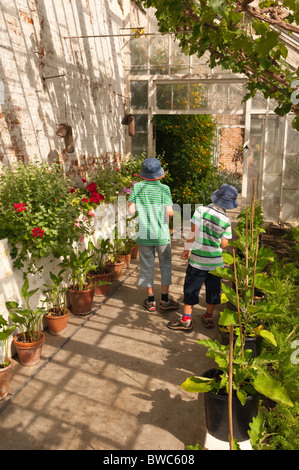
(250, 375)
(39, 213)
(5, 332)
(27, 319)
(56, 294)
(78, 264)
(100, 254)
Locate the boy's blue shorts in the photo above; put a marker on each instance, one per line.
(194, 280)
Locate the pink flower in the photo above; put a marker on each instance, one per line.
(81, 239)
(20, 207)
(92, 187)
(37, 232)
(135, 174)
(91, 213)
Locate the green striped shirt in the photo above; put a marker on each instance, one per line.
(151, 199)
(213, 225)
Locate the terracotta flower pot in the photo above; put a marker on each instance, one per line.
(57, 323)
(81, 300)
(126, 259)
(116, 269)
(103, 289)
(5, 376)
(29, 353)
(134, 252)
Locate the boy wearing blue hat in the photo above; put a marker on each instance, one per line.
(153, 202)
(210, 232)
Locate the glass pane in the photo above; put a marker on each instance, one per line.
(139, 95)
(235, 96)
(180, 96)
(138, 54)
(275, 135)
(159, 56)
(198, 96)
(139, 144)
(179, 61)
(258, 102)
(163, 96)
(141, 122)
(216, 96)
(290, 208)
(291, 176)
(199, 64)
(271, 209)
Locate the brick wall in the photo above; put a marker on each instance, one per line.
(231, 149)
(86, 89)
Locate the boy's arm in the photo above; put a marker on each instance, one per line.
(224, 243)
(131, 207)
(169, 211)
(189, 242)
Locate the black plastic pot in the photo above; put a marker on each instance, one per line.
(255, 343)
(216, 413)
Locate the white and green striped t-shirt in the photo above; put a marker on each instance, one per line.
(213, 225)
(151, 199)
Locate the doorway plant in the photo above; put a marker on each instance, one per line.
(57, 314)
(80, 290)
(5, 361)
(101, 275)
(116, 263)
(29, 342)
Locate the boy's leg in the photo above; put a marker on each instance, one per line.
(213, 286)
(192, 285)
(164, 255)
(146, 275)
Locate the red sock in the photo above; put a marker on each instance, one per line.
(186, 317)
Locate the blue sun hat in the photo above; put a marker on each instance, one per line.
(151, 169)
(225, 196)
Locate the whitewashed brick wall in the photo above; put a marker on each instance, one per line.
(89, 94)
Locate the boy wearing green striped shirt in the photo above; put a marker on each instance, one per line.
(210, 232)
(153, 202)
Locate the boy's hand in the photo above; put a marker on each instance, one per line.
(185, 254)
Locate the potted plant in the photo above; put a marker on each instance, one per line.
(29, 342)
(5, 362)
(250, 378)
(78, 264)
(125, 248)
(57, 314)
(101, 276)
(247, 299)
(116, 263)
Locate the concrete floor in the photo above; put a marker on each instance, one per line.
(112, 381)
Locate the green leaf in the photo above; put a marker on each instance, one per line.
(257, 430)
(271, 388)
(267, 335)
(198, 384)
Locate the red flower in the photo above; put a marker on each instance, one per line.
(92, 187)
(83, 180)
(96, 198)
(20, 207)
(72, 190)
(84, 199)
(136, 174)
(37, 232)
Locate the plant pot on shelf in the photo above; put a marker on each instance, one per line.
(81, 300)
(101, 282)
(5, 376)
(135, 251)
(216, 413)
(57, 322)
(126, 257)
(116, 269)
(29, 353)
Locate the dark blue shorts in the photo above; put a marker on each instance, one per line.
(194, 280)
